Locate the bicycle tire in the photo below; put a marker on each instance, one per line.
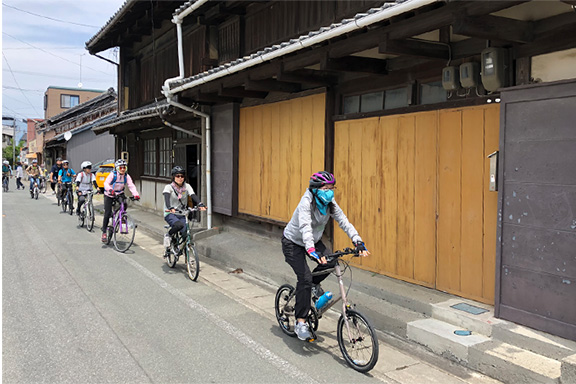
(36, 192)
(89, 217)
(172, 255)
(192, 261)
(360, 353)
(70, 203)
(64, 203)
(110, 234)
(59, 194)
(43, 189)
(124, 232)
(284, 305)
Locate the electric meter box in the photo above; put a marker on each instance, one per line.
(450, 81)
(494, 63)
(469, 74)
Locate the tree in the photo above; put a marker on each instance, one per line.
(7, 153)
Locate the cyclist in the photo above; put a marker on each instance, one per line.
(6, 171)
(114, 185)
(84, 182)
(54, 174)
(302, 237)
(65, 176)
(19, 175)
(178, 195)
(33, 175)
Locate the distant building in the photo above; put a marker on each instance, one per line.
(60, 99)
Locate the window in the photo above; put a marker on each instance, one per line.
(371, 102)
(158, 157)
(351, 104)
(396, 98)
(69, 101)
(150, 157)
(165, 156)
(431, 93)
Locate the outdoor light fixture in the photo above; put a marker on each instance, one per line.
(493, 68)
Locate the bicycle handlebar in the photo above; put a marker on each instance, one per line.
(346, 251)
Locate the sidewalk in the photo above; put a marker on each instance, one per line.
(408, 316)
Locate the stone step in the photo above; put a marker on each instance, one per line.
(511, 364)
(439, 337)
(536, 341)
(469, 319)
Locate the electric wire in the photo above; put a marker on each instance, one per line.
(50, 18)
(16, 81)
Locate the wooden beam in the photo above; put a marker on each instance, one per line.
(308, 76)
(355, 64)
(494, 28)
(417, 48)
(241, 93)
(213, 98)
(270, 85)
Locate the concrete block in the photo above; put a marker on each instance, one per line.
(439, 337)
(568, 370)
(512, 364)
(481, 323)
(538, 342)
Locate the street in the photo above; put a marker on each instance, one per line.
(75, 310)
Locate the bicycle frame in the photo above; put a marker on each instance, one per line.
(117, 214)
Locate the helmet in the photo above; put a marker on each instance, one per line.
(65, 162)
(58, 159)
(120, 163)
(86, 164)
(5, 162)
(178, 169)
(319, 179)
(34, 161)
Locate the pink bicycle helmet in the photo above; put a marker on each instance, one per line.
(319, 179)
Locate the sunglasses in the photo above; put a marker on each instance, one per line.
(122, 167)
(179, 176)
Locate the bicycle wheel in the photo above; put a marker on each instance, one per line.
(124, 232)
(65, 204)
(360, 346)
(192, 261)
(89, 217)
(43, 188)
(81, 217)
(172, 256)
(284, 304)
(36, 192)
(70, 203)
(59, 194)
(110, 234)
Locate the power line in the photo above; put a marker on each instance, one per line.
(16, 81)
(51, 75)
(21, 89)
(50, 53)
(50, 18)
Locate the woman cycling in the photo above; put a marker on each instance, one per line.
(84, 182)
(302, 237)
(114, 186)
(178, 195)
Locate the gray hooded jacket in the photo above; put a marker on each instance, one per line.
(306, 226)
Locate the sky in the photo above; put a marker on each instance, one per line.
(43, 44)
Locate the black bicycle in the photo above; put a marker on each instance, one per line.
(68, 198)
(87, 213)
(182, 244)
(356, 337)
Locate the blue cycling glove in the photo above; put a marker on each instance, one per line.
(312, 252)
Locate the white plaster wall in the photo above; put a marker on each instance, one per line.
(555, 66)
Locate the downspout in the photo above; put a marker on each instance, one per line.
(206, 117)
(169, 95)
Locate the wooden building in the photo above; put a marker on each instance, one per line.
(401, 100)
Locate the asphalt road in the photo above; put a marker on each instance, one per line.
(77, 311)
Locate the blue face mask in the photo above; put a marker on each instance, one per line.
(324, 197)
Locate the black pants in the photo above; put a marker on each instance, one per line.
(81, 200)
(296, 256)
(19, 183)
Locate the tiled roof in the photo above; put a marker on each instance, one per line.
(358, 21)
(85, 127)
(123, 9)
(147, 111)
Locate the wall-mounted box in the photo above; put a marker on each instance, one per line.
(469, 74)
(494, 64)
(450, 78)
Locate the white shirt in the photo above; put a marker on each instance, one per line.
(86, 181)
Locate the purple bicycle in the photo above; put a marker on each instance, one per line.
(122, 228)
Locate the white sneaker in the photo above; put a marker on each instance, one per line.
(166, 241)
(302, 330)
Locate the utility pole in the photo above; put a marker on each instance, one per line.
(14, 142)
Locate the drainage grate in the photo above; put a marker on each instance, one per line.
(469, 308)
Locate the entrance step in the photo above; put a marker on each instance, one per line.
(467, 314)
(511, 364)
(439, 337)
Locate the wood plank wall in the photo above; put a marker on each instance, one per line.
(281, 145)
(416, 188)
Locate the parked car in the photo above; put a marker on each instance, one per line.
(102, 170)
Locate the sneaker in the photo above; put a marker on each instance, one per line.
(166, 241)
(317, 291)
(104, 237)
(166, 252)
(302, 330)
